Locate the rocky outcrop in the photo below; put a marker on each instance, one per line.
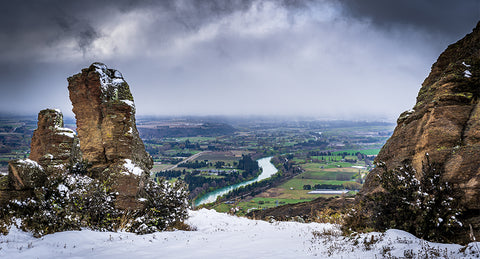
(109, 140)
(105, 114)
(444, 125)
(108, 144)
(25, 174)
(98, 180)
(54, 147)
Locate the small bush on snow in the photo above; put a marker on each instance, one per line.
(426, 207)
(166, 206)
(75, 201)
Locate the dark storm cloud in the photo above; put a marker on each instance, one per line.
(28, 25)
(49, 21)
(454, 18)
(227, 56)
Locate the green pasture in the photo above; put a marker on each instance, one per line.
(256, 203)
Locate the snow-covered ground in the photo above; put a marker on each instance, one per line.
(223, 236)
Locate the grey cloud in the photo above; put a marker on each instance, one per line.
(49, 21)
(452, 18)
(82, 31)
(368, 59)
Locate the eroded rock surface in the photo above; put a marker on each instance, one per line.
(54, 147)
(25, 174)
(109, 140)
(105, 114)
(98, 180)
(445, 124)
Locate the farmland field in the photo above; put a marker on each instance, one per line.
(221, 156)
(244, 207)
(325, 151)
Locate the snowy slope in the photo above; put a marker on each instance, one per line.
(222, 236)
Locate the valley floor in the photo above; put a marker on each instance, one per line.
(223, 236)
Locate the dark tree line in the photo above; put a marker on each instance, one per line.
(324, 186)
(199, 185)
(313, 143)
(286, 170)
(169, 174)
(195, 165)
(248, 164)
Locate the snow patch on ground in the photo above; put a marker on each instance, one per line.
(220, 235)
(65, 131)
(62, 188)
(68, 134)
(30, 163)
(467, 73)
(60, 166)
(128, 102)
(132, 168)
(117, 81)
(105, 79)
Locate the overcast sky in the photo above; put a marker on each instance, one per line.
(343, 59)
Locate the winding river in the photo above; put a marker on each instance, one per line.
(268, 169)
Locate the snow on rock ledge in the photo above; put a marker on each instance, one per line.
(26, 174)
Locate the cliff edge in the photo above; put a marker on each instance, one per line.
(442, 129)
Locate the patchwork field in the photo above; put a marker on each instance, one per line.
(225, 156)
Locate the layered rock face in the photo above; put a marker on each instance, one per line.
(109, 140)
(25, 174)
(105, 113)
(53, 146)
(445, 124)
(53, 150)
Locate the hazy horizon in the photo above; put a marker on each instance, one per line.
(229, 119)
(330, 59)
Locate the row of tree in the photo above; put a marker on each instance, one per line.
(199, 184)
(286, 170)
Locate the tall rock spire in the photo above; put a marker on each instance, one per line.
(109, 140)
(105, 114)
